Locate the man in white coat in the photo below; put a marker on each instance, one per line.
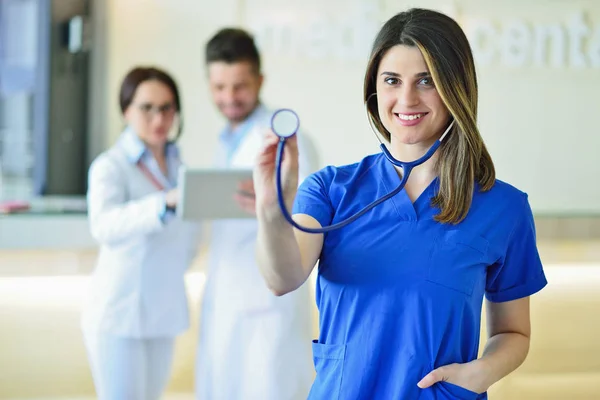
(253, 345)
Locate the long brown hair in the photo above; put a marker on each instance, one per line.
(463, 159)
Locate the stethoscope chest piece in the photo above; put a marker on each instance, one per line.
(285, 123)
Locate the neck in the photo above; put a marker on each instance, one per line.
(411, 152)
(234, 124)
(160, 157)
(158, 152)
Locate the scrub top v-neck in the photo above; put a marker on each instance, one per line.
(400, 294)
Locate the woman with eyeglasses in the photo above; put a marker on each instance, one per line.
(137, 301)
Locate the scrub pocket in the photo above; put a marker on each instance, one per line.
(457, 260)
(451, 391)
(329, 365)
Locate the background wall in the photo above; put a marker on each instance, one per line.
(538, 114)
(538, 64)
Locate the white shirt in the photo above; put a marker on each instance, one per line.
(237, 271)
(137, 288)
(258, 341)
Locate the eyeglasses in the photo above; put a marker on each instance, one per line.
(148, 110)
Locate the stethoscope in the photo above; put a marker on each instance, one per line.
(285, 124)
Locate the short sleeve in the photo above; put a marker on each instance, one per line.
(519, 273)
(313, 198)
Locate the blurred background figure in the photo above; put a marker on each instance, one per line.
(137, 303)
(253, 345)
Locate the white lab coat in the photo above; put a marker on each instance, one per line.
(253, 345)
(137, 289)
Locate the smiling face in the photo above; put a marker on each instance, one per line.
(409, 105)
(235, 88)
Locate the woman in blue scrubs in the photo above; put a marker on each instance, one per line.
(400, 290)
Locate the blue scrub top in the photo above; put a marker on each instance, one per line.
(400, 294)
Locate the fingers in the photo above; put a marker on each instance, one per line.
(246, 203)
(433, 377)
(270, 136)
(290, 152)
(292, 143)
(270, 141)
(246, 188)
(172, 197)
(266, 156)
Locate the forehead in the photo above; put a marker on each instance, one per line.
(404, 60)
(153, 91)
(222, 72)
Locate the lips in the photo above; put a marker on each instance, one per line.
(410, 119)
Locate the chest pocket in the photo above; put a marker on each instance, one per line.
(458, 261)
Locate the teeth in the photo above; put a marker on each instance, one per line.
(409, 117)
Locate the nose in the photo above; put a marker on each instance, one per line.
(229, 95)
(408, 96)
(157, 118)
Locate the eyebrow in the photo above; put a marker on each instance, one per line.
(396, 75)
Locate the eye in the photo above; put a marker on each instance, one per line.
(145, 107)
(167, 108)
(391, 80)
(427, 81)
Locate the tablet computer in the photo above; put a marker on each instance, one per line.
(208, 194)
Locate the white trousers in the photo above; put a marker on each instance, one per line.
(259, 355)
(128, 368)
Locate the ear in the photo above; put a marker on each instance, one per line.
(127, 114)
(261, 79)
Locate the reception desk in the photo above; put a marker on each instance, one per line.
(45, 263)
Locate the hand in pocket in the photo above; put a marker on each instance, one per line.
(466, 376)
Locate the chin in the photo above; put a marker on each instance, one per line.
(160, 140)
(410, 136)
(407, 138)
(236, 114)
(236, 117)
